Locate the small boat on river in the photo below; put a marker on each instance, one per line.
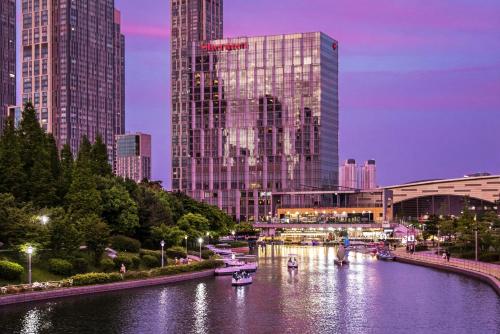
(292, 261)
(385, 256)
(241, 278)
(341, 259)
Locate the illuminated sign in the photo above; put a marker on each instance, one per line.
(224, 47)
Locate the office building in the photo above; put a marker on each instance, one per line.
(349, 175)
(73, 69)
(7, 57)
(133, 156)
(368, 175)
(16, 114)
(251, 115)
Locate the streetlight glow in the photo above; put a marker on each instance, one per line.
(44, 219)
(200, 240)
(162, 244)
(29, 250)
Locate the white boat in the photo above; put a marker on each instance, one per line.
(292, 261)
(385, 256)
(226, 271)
(242, 278)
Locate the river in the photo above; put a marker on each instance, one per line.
(366, 296)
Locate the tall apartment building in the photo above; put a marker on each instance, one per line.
(251, 115)
(133, 156)
(73, 68)
(7, 57)
(368, 175)
(349, 175)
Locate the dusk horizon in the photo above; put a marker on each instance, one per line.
(407, 75)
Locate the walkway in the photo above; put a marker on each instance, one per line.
(488, 271)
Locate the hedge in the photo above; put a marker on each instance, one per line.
(150, 261)
(60, 267)
(205, 254)
(107, 264)
(10, 271)
(174, 252)
(125, 244)
(155, 253)
(80, 265)
(95, 278)
(129, 260)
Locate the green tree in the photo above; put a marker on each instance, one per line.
(18, 225)
(119, 210)
(193, 224)
(431, 227)
(172, 235)
(96, 235)
(12, 177)
(99, 158)
(66, 175)
(64, 237)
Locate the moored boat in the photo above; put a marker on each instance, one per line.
(241, 278)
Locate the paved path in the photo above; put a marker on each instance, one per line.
(487, 272)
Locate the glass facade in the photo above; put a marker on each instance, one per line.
(73, 68)
(256, 115)
(7, 57)
(133, 158)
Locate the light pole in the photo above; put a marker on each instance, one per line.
(186, 239)
(200, 241)
(29, 251)
(475, 232)
(44, 219)
(208, 237)
(438, 239)
(162, 244)
(233, 233)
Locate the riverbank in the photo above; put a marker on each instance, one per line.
(485, 272)
(93, 289)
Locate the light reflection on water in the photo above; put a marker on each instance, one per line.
(365, 296)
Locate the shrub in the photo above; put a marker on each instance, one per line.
(205, 254)
(107, 264)
(129, 260)
(95, 278)
(137, 274)
(175, 251)
(80, 265)
(10, 271)
(125, 244)
(489, 257)
(150, 261)
(420, 248)
(60, 267)
(154, 253)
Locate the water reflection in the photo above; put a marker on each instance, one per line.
(365, 296)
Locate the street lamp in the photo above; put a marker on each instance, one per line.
(200, 241)
(186, 239)
(233, 233)
(162, 244)
(475, 232)
(208, 237)
(29, 251)
(44, 219)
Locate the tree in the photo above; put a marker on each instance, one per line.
(83, 198)
(12, 177)
(17, 225)
(431, 227)
(96, 235)
(119, 210)
(64, 237)
(172, 235)
(193, 224)
(99, 158)
(66, 175)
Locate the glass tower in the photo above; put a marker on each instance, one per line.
(260, 115)
(73, 68)
(7, 57)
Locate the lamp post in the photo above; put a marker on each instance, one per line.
(475, 232)
(44, 219)
(29, 251)
(186, 239)
(200, 241)
(438, 240)
(208, 237)
(233, 233)
(162, 244)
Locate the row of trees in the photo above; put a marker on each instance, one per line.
(85, 202)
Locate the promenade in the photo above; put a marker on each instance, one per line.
(488, 272)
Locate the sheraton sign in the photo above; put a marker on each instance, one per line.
(224, 47)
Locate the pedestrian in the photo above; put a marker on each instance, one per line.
(444, 255)
(123, 270)
(448, 254)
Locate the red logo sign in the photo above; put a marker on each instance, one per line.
(334, 46)
(224, 47)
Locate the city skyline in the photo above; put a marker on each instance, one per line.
(385, 56)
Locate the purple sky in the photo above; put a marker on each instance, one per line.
(419, 80)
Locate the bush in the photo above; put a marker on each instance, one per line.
(489, 257)
(60, 267)
(80, 265)
(154, 253)
(95, 278)
(205, 254)
(129, 260)
(10, 271)
(137, 274)
(420, 248)
(175, 251)
(150, 261)
(125, 244)
(107, 264)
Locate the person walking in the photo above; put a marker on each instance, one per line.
(448, 254)
(123, 270)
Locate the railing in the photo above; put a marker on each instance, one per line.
(477, 266)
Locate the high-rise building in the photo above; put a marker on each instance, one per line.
(368, 175)
(251, 115)
(7, 57)
(73, 68)
(16, 114)
(133, 156)
(349, 175)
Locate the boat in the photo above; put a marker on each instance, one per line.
(385, 256)
(292, 261)
(341, 260)
(229, 270)
(241, 278)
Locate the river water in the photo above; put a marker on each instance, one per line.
(366, 296)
